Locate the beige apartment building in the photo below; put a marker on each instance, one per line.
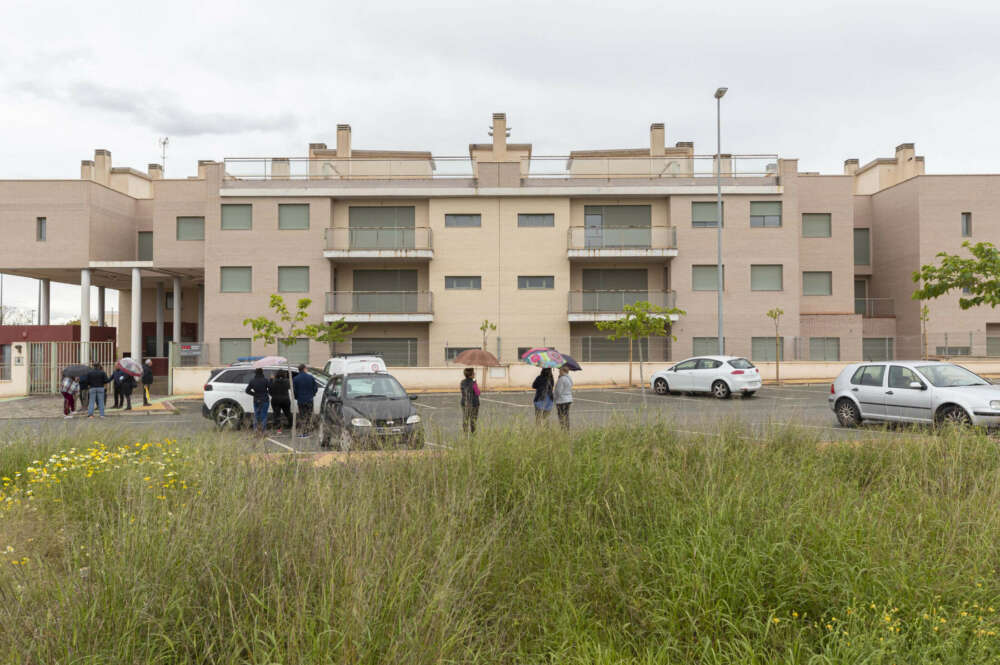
(418, 250)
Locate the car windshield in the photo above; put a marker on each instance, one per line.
(951, 376)
(741, 363)
(382, 386)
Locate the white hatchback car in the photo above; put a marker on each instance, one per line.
(719, 375)
(226, 401)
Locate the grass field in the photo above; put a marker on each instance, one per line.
(621, 544)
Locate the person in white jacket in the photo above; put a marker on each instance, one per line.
(563, 397)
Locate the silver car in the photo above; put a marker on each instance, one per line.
(914, 392)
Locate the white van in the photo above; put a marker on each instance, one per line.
(349, 363)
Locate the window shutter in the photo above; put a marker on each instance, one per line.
(816, 225)
(703, 212)
(817, 283)
(237, 217)
(190, 228)
(764, 208)
(236, 279)
(293, 279)
(705, 278)
(765, 278)
(296, 353)
(293, 216)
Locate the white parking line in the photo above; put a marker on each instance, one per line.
(595, 401)
(279, 443)
(497, 401)
(426, 405)
(437, 445)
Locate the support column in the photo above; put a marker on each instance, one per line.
(85, 316)
(177, 310)
(43, 304)
(100, 306)
(136, 314)
(159, 320)
(201, 313)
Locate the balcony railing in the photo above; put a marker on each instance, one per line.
(379, 302)
(622, 237)
(581, 302)
(873, 308)
(375, 238)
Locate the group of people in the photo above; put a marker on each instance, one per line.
(273, 393)
(90, 389)
(549, 392)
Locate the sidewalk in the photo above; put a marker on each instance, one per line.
(51, 406)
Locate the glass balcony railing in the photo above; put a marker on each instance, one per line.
(615, 301)
(379, 302)
(871, 308)
(369, 238)
(622, 237)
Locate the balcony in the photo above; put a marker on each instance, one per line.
(380, 306)
(379, 244)
(875, 308)
(592, 306)
(622, 242)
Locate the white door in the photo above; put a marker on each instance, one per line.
(703, 377)
(682, 378)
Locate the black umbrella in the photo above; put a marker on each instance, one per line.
(75, 370)
(571, 364)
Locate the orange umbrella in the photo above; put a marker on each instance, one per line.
(477, 358)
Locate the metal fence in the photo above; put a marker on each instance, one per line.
(47, 360)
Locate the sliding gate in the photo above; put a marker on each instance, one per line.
(47, 360)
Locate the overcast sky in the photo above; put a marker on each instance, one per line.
(820, 81)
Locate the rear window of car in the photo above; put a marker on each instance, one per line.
(868, 375)
(235, 376)
(741, 363)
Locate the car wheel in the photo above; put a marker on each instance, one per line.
(953, 415)
(346, 440)
(227, 416)
(847, 413)
(660, 387)
(720, 389)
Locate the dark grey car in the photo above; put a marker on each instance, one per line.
(368, 411)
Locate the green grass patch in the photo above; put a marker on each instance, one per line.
(616, 545)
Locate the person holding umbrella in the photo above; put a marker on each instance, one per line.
(126, 384)
(563, 396)
(70, 388)
(116, 387)
(147, 380)
(543, 385)
(470, 401)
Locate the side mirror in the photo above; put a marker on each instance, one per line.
(917, 385)
(672, 369)
(412, 397)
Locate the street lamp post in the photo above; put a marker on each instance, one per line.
(718, 214)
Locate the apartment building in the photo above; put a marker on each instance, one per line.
(417, 250)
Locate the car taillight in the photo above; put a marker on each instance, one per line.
(831, 389)
(208, 386)
(737, 371)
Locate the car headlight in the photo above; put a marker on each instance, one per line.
(995, 404)
(414, 419)
(361, 422)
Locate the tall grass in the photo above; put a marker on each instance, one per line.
(624, 544)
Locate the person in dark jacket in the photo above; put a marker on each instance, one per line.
(543, 385)
(304, 386)
(147, 380)
(258, 388)
(84, 392)
(96, 379)
(126, 384)
(116, 387)
(280, 401)
(470, 401)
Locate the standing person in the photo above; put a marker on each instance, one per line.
(116, 387)
(258, 387)
(70, 388)
(280, 401)
(96, 379)
(543, 394)
(470, 401)
(126, 384)
(563, 397)
(147, 380)
(84, 392)
(304, 386)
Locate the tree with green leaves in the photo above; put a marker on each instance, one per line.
(288, 328)
(640, 320)
(775, 315)
(486, 328)
(925, 316)
(977, 277)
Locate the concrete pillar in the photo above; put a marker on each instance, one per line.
(177, 309)
(159, 320)
(85, 316)
(201, 313)
(43, 303)
(136, 314)
(100, 306)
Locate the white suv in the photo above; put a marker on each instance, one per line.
(226, 401)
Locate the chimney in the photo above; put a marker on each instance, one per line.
(86, 169)
(344, 141)
(203, 165)
(499, 132)
(155, 171)
(280, 168)
(904, 152)
(657, 140)
(313, 147)
(102, 166)
(851, 166)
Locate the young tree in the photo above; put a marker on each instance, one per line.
(640, 320)
(288, 328)
(486, 328)
(775, 315)
(977, 278)
(925, 316)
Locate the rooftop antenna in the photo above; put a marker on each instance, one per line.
(164, 142)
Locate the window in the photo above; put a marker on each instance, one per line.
(382, 227)
(688, 364)
(145, 247)
(902, 377)
(236, 279)
(816, 225)
(5, 362)
(766, 278)
(705, 214)
(708, 363)
(232, 348)
(817, 283)
(953, 350)
(705, 346)
(293, 279)
(877, 348)
(966, 224)
(869, 375)
(297, 352)
(824, 348)
(450, 352)
(536, 219)
(595, 349)
(293, 216)
(237, 216)
(763, 348)
(40, 224)
(395, 351)
(862, 247)
(706, 278)
(617, 226)
(190, 228)
(168, 302)
(471, 282)
(536, 282)
(765, 214)
(463, 221)
(521, 350)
